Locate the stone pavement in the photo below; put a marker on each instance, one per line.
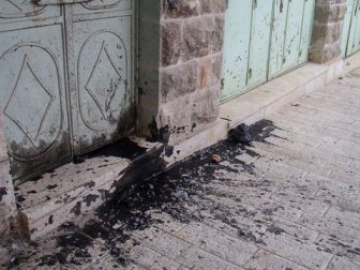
(290, 201)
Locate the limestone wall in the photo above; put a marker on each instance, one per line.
(328, 24)
(180, 77)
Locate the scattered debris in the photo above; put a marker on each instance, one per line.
(184, 193)
(216, 158)
(241, 134)
(3, 192)
(295, 104)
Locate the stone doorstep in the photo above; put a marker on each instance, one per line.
(76, 189)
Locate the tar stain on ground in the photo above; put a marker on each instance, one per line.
(182, 192)
(3, 192)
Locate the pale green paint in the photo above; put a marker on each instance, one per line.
(353, 45)
(278, 38)
(291, 35)
(66, 87)
(247, 42)
(346, 27)
(271, 37)
(260, 43)
(307, 26)
(236, 51)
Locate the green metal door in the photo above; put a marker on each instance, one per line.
(263, 39)
(306, 31)
(346, 27)
(260, 43)
(353, 44)
(66, 73)
(247, 41)
(237, 44)
(292, 24)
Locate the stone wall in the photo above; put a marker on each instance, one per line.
(180, 77)
(328, 24)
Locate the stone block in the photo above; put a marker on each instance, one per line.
(171, 42)
(197, 35)
(217, 37)
(207, 105)
(209, 71)
(177, 114)
(206, 6)
(195, 258)
(266, 260)
(215, 242)
(178, 80)
(219, 6)
(328, 21)
(180, 8)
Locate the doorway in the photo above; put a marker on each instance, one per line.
(350, 41)
(264, 39)
(67, 79)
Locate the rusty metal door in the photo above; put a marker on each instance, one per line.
(66, 78)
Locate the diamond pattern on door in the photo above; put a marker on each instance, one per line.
(31, 116)
(104, 94)
(49, 74)
(33, 99)
(103, 50)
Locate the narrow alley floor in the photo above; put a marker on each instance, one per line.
(289, 201)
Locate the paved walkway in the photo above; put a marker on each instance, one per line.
(290, 201)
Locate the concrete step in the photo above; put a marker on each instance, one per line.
(77, 189)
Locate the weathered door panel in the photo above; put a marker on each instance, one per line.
(236, 49)
(33, 98)
(12, 10)
(306, 31)
(279, 40)
(278, 37)
(354, 35)
(346, 27)
(48, 74)
(99, 6)
(103, 111)
(356, 45)
(260, 42)
(293, 33)
(356, 41)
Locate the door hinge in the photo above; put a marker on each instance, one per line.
(281, 6)
(57, 2)
(255, 4)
